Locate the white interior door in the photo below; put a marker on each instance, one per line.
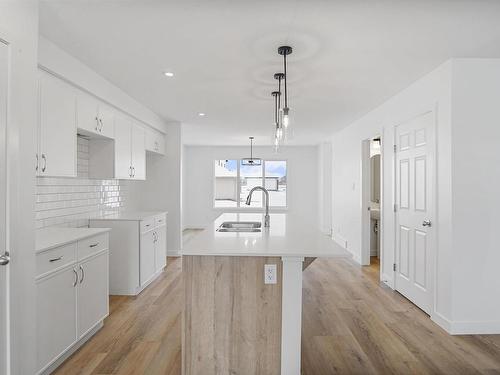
(415, 202)
(4, 337)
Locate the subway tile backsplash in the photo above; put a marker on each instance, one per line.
(72, 202)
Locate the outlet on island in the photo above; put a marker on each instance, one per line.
(270, 274)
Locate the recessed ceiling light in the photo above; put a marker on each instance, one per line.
(168, 74)
(201, 114)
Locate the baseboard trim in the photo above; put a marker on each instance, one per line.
(475, 328)
(441, 321)
(340, 240)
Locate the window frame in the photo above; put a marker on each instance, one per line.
(245, 208)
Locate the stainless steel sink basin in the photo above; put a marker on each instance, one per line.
(240, 226)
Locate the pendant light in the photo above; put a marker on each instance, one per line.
(251, 160)
(278, 131)
(285, 51)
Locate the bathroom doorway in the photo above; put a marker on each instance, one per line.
(372, 187)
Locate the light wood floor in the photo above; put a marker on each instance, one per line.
(351, 325)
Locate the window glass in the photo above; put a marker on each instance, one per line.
(250, 176)
(226, 183)
(275, 172)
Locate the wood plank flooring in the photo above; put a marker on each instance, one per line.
(351, 325)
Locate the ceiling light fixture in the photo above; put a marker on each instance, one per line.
(251, 160)
(278, 130)
(285, 51)
(168, 74)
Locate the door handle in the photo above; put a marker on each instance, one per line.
(44, 158)
(76, 278)
(83, 274)
(427, 223)
(4, 259)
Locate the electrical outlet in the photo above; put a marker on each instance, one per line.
(270, 272)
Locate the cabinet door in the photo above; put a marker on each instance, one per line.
(161, 247)
(93, 293)
(123, 152)
(57, 128)
(138, 152)
(147, 257)
(87, 118)
(155, 141)
(106, 121)
(56, 315)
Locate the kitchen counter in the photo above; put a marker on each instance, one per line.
(49, 238)
(130, 215)
(287, 235)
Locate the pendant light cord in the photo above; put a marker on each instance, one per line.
(284, 69)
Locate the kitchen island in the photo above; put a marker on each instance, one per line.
(239, 318)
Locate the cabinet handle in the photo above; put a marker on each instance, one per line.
(94, 244)
(83, 274)
(55, 259)
(100, 128)
(36, 166)
(44, 158)
(130, 171)
(133, 171)
(96, 124)
(76, 278)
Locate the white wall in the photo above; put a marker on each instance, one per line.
(19, 27)
(198, 183)
(64, 65)
(476, 198)
(162, 188)
(325, 187)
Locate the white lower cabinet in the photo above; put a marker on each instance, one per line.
(147, 257)
(56, 315)
(92, 292)
(72, 297)
(138, 250)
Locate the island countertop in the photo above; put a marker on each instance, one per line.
(288, 235)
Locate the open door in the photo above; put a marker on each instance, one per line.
(415, 212)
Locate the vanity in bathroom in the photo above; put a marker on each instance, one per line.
(243, 293)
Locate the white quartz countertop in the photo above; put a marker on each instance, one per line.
(130, 215)
(48, 238)
(287, 235)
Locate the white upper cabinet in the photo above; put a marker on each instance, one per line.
(130, 153)
(57, 131)
(94, 117)
(123, 134)
(138, 153)
(155, 141)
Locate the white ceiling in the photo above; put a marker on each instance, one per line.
(349, 56)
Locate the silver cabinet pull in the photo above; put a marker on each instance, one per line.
(94, 244)
(4, 259)
(100, 128)
(133, 171)
(76, 278)
(44, 158)
(83, 274)
(427, 223)
(96, 124)
(55, 259)
(130, 171)
(37, 162)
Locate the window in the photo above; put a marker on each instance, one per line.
(233, 182)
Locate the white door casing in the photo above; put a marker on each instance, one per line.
(415, 209)
(4, 245)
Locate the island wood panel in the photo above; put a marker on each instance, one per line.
(231, 320)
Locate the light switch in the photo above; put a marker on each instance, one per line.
(270, 272)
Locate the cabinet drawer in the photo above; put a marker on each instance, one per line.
(55, 258)
(92, 245)
(160, 220)
(147, 224)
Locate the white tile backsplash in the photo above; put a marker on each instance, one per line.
(73, 201)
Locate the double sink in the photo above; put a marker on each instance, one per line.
(240, 226)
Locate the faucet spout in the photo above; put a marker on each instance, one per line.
(267, 218)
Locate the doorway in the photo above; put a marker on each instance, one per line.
(372, 187)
